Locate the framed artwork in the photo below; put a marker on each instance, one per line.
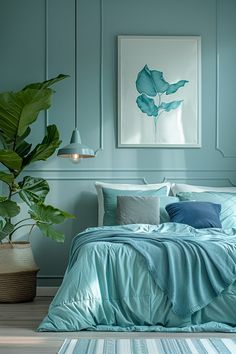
(159, 91)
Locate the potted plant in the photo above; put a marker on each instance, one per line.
(18, 110)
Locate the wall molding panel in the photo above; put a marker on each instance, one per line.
(46, 55)
(101, 74)
(225, 62)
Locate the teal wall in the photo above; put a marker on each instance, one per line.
(37, 41)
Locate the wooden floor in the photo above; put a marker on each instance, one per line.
(19, 321)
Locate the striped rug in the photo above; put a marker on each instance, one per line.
(150, 346)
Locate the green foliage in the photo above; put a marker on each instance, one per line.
(6, 177)
(10, 159)
(33, 190)
(43, 151)
(46, 216)
(8, 208)
(5, 229)
(18, 110)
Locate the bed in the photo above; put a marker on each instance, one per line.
(143, 277)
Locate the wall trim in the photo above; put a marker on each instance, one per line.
(217, 147)
(46, 119)
(200, 178)
(92, 170)
(49, 178)
(46, 290)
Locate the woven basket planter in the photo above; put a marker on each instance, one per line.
(18, 272)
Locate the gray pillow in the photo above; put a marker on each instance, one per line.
(138, 210)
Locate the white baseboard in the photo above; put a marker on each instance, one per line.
(46, 290)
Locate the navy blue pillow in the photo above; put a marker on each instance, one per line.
(199, 215)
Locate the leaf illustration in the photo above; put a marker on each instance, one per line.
(160, 83)
(147, 105)
(170, 105)
(174, 87)
(151, 82)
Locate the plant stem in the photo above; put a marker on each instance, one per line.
(155, 129)
(10, 236)
(30, 231)
(9, 197)
(22, 221)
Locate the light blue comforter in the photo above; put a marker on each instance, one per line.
(142, 277)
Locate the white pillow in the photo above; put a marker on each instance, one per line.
(179, 187)
(141, 187)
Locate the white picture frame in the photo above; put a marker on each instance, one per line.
(159, 91)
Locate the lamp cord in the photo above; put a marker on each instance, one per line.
(100, 74)
(76, 55)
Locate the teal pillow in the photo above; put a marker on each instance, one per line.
(164, 201)
(227, 201)
(110, 200)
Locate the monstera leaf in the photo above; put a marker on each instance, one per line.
(33, 190)
(5, 229)
(10, 159)
(147, 105)
(151, 82)
(43, 151)
(46, 216)
(8, 208)
(174, 87)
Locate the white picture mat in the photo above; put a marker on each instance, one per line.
(179, 59)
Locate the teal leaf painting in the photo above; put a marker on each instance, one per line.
(151, 82)
(151, 86)
(147, 105)
(160, 83)
(174, 87)
(170, 105)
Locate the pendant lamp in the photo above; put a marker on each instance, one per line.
(76, 151)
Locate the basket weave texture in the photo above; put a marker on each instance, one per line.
(18, 272)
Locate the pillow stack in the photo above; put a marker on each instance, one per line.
(108, 194)
(198, 206)
(223, 196)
